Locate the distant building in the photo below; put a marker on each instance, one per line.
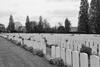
(17, 25)
(73, 29)
(22, 29)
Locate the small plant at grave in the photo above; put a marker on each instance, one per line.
(13, 41)
(52, 61)
(49, 46)
(45, 40)
(10, 40)
(97, 50)
(66, 40)
(57, 61)
(55, 45)
(23, 46)
(72, 35)
(29, 39)
(13, 36)
(29, 49)
(38, 53)
(87, 50)
(18, 44)
(20, 37)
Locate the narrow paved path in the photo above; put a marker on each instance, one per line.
(13, 56)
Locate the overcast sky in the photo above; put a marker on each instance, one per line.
(53, 10)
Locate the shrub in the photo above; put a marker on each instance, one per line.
(13, 36)
(87, 50)
(29, 49)
(23, 46)
(57, 61)
(52, 61)
(10, 40)
(29, 39)
(18, 44)
(13, 41)
(38, 52)
(20, 37)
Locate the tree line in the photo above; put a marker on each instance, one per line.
(42, 26)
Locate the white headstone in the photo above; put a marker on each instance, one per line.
(68, 58)
(53, 52)
(44, 48)
(57, 52)
(62, 44)
(83, 60)
(99, 49)
(87, 43)
(94, 61)
(63, 54)
(75, 46)
(91, 44)
(79, 46)
(95, 48)
(75, 56)
(71, 45)
(67, 45)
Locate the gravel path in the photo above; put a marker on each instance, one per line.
(13, 56)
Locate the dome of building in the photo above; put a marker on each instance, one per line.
(17, 25)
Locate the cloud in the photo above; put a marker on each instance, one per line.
(65, 13)
(5, 13)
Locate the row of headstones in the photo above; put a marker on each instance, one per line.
(79, 39)
(74, 58)
(72, 44)
(56, 39)
(34, 44)
(76, 45)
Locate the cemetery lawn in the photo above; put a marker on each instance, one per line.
(14, 56)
